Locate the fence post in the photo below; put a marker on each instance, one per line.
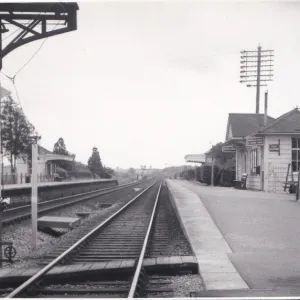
(297, 190)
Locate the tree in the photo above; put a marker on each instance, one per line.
(17, 133)
(60, 147)
(109, 171)
(224, 160)
(94, 163)
(132, 171)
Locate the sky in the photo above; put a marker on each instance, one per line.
(149, 82)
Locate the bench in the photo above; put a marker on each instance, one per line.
(241, 184)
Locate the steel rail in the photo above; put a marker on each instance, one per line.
(66, 197)
(47, 268)
(143, 251)
(88, 195)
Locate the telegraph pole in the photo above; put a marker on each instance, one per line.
(34, 189)
(39, 17)
(258, 78)
(256, 66)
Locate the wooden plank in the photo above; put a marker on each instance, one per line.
(175, 260)
(127, 263)
(83, 214)
(188, 259)
(149, 262)
(85, 267)
(159, 290)
(5, 272)
(81, 291)
(30, 272)
(114, 264)
(57, 270)
(99, 266)
(57, 222)
(163, 260)
(16, 273)
(73, 268)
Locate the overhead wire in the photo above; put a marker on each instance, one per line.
(34, 19)
(13, 79)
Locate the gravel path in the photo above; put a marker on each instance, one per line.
(20, 233)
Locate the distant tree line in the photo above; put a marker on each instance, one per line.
(94, 167)
(17, 137)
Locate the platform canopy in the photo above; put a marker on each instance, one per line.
(195, 158)
(23, 22)
(50, 156)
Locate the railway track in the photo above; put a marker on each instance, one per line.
(124, 235)
(14, 215)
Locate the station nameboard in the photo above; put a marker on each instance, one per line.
(209, 159)
(257, 141)
(274, 147)
(228, 149)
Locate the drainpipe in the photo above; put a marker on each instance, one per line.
(212, 171)
(266, 109)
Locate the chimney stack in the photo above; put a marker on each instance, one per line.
(266, 109)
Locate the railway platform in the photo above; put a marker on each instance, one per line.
(54, 184)
(10, 275)
(20, 193)
(209, 246)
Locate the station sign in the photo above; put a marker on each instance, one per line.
(256, 141)
(228, 149)
(274, 147)
(209, 159)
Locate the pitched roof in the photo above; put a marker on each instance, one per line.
(42, 150)
(242, 125)
(287, 123)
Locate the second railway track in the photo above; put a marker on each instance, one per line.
(14, 215)
(123, 236)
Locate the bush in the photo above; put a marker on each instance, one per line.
(205, 174)
(227, 178)
(80, 174)
(188, 174)
(62, 172)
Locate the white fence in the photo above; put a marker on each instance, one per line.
(24, 178)
(278, 177)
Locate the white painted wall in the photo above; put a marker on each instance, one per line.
(278, 164)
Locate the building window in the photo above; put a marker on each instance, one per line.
(253, 161)
(295, 154)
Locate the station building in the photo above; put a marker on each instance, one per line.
(267, 149)
(47, 164)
